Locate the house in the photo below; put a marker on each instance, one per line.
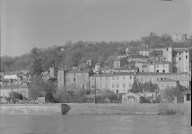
(11, 75)
(130, 98)
(187, 96)
(19, 88)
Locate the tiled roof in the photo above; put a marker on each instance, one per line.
(137, 56)
(126, 68)
(168, 80)
(110, 74)
(78, 71)
(144, 66)
(154, 73)
(12, 86)
(164, 62)
(186, 92)
(105, 68)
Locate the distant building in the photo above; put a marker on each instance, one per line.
(120, 62)
(161, 67)
(131, 98)
(136, 58)
(53, 72)
(187, 96)
(10, 75)
(178, 37)
(19, 88)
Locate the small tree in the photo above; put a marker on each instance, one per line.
(135, 88)
(36, 87)
(36, 68)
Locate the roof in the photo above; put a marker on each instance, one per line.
(133, 93)
(186, 92)
(168, 80)
(126, 68)
(119, 58)
(144, 66)
(163, 62)
(110, 74)
(137, 56)
(105, 68)
(156, 73)
(79, 71)
(82, 65)
(12, 86)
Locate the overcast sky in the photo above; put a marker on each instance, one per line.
(43, 23)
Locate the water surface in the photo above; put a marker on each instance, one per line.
(95, 124)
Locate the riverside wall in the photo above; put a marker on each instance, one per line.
(125, 109)
(34, 109)
(90, 108)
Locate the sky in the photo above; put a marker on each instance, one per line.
(26, 24)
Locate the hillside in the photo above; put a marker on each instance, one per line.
(72, 54)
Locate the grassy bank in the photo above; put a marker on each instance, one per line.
(126, 109)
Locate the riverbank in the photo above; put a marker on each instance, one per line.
(49, 109)
(124, 109)
(92, 109)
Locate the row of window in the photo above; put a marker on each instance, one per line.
(117, 85)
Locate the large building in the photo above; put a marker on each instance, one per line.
(76, 77)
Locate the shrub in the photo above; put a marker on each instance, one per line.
(164, 109)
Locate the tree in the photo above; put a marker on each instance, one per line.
(15, 95)
(36, 69)
(36, 87)
(174, 92)
(135, 88)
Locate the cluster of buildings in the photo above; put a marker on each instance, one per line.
(165, 67)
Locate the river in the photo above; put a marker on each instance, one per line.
(95, 124)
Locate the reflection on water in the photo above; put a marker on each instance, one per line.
(95, 124)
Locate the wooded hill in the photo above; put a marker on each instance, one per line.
(72, 54)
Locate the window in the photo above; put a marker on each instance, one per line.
(117, 91)
(130, 85)
(186, 57)
(162, 85)
(188, 97)
(106, 85)
(117, 78)
(113, 85)
(124, 85)
(130, 77)
(74, 79)
(157, 70)
(117, 85)
(163, 71)
(179, 58)
(186, 51)
(167, 49)
(164, 58)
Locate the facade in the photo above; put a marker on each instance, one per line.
(61, 79)
(167, 83)
(19, 88)
(102, 81)
(178, 37)
(161, 67)
(105, 69)
(137, 58)
(53, 72)
(132, 98)
(144, 52)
